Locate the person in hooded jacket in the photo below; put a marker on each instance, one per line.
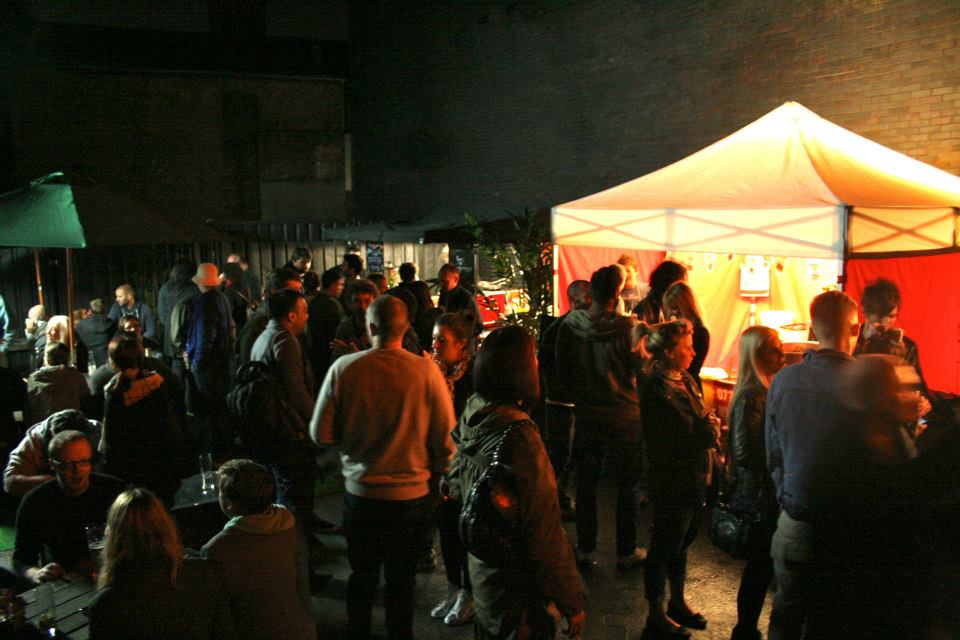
(261, 557)
(57, 385)
(143, 425)
(600, 346)
(29, 465)
(513, 600)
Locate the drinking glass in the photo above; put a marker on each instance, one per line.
(206, 473)
(95, 541)
(47, 606)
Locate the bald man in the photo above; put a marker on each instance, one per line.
(127, 305)
(391, 413)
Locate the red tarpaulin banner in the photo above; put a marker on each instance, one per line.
(578, 263)
(930, 314)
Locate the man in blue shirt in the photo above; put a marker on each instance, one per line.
(808, 443)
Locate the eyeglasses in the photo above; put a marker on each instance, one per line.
(72, 465)
(770, 349)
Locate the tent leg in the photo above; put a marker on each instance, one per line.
(845, 230)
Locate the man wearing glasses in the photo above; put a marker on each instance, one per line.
(51, 522)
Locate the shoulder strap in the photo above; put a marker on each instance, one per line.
(495, 459)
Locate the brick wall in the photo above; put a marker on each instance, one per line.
(459, 107)
(187, 146)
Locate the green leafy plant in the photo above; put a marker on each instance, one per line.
(522, 253)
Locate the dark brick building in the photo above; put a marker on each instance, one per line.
(493, 106)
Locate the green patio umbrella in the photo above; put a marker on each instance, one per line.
(43, 214)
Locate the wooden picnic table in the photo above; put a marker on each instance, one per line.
(72, 596)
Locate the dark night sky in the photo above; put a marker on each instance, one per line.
(314, 19)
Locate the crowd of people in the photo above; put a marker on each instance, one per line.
(437, 431)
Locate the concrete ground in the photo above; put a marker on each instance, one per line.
(615, 605)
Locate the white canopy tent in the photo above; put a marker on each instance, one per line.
(790, 185)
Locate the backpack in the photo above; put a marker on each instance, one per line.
(488, 517)
(267, 426)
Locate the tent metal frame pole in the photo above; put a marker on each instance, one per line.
(845, 229)
(73, 349)
(956, 226)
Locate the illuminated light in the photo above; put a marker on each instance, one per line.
(501, 499)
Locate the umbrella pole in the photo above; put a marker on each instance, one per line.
(73, 354)
(36, 267)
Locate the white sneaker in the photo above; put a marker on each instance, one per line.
(443, 607)
(635, 559)
(462, 610)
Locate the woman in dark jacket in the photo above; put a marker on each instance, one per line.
(453, 354)
(514, 599)
(761, 356)
(679, 432)
(143, 438)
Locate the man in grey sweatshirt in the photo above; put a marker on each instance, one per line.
(393, 439)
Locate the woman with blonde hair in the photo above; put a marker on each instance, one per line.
(761, 356)
(679, 302)
(147, 589)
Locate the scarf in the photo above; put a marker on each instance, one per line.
(452, 372)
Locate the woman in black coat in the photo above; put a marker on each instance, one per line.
(679, 432)
(143, 424)
(761, 356)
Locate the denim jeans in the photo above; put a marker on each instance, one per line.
(451, 544)
(674, 530)
(624, 457)
(383, 533)
(558, 426)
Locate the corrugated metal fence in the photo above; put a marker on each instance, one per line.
(99, 270)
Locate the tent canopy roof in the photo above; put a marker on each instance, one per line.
(791, 172)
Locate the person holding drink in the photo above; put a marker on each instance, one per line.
(679, 432)
(50, 537)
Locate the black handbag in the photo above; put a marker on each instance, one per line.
(488, 518)
(731, 529)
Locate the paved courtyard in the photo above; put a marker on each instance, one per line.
(615, 605)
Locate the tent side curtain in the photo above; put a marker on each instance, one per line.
(872, 230)
(811, 232)
(715, 277)
(42, 215)
(930, 312)
(578, 263)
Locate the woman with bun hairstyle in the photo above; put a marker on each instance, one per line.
(453, 354)
(679, 432)
(761, 356)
